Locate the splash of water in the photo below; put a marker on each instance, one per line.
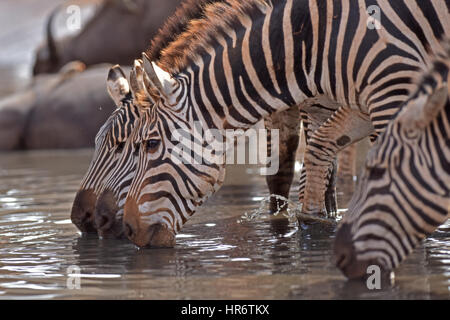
(287, 208)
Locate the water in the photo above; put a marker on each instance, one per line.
(215, 257)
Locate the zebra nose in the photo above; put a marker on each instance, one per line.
(160, 236)
(82, 214)
(105, 212)
(143, 234)
(344, 253)
(347, 260)
(129, 230)
(131, 219)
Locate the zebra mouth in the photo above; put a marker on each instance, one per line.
(159, 236)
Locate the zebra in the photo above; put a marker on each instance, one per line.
(404, 192)
(280, 182)
(109, 143)
(246, 60)
(111, 138)
(114, 185)
(95, 208)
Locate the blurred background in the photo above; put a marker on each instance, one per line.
(54, 59)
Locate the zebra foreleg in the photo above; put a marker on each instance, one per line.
(345, 173)
(313, 117)
(288, 124)
(343, 128)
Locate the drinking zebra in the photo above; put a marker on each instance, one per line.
(106, 219)
(121, 121)
(404, 192)
(246, 60)
(109, 143)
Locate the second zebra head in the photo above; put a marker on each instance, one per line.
(404, 192)
(109, 145)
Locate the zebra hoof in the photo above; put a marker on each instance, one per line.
(277, 205)
(306, 218)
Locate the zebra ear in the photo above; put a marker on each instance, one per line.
(117, 84)
(423, 110)
(137, 82)
(158, 82)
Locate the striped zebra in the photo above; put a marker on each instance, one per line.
(111, 138)
(246, 60)
(286, 122)
(109, 143)
(404, 192)
(98, 204)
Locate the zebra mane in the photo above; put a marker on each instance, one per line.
(218, 17)
(438, 60)
(177, 24)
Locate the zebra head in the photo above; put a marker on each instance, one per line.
(109, 143)
(165, 191)
(404, 190)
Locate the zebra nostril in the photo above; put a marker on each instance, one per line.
(129, 230)
(343, 259)
(102, 222)
(87, 216)
(82, 211)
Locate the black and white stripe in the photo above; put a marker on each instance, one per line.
(404, 193)
(247, 60)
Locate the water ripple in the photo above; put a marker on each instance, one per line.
(219, 254)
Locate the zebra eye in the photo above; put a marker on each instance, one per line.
(376, 173)
(151, 145)
(120, 147)
(136, 148)
(411, 134)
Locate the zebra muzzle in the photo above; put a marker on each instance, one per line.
(345, 255)
(156, 235)
(82, 214)
(106, 216)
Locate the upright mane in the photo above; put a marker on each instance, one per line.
(199, 32)
(177, 24)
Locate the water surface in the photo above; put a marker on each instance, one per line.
(215, 257)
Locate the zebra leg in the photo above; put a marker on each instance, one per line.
(343, 128)
(312, 120)
(345, 173)
(330, 197)
(288, 124)
(306, 133)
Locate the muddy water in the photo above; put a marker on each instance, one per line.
(215, 257)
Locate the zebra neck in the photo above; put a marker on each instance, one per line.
(251, 69)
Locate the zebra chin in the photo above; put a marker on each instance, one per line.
(107, 220)
(145, 234)
(346, 258)
(83, 207)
